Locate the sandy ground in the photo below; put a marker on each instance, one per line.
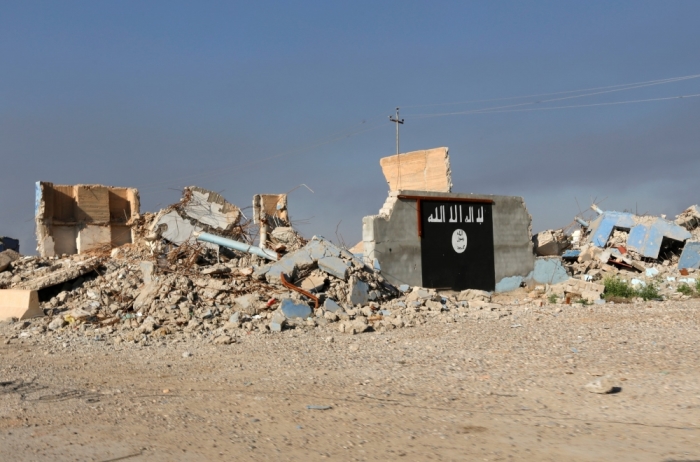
(507, 389)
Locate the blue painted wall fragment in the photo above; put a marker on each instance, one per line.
(549, 271)
(602, 227)
(508, 284)
(571, 254)
(646, 238)
(690, 257)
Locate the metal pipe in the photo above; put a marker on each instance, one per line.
(583, 222)
(237, 245)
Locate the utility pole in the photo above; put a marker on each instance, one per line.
(398, 122)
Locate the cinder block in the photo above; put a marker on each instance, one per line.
(22, 304)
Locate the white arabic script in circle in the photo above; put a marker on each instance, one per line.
(459, 241)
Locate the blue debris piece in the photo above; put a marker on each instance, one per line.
(549, 271)
(334, 266)
(330, 305)
(292, 309)
(646, 238)
(509, 284)
(7, 243)
(571, 254)
(602, 227)
(690, 257)
(404, 288)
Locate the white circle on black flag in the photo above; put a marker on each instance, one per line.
(459, 240)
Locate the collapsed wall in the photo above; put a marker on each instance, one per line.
(415, 239)
(73, 219)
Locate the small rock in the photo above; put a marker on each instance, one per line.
(186, 354)
(601, 385)
(223, 340)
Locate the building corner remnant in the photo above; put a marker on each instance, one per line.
(73, 219)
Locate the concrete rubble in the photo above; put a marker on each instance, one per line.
(178, 276)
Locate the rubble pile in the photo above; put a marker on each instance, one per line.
(639, 250)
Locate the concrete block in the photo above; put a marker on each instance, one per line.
(277, 322)
(7, 257)
(21, 304)
(427, 170)
(330, 305)
(174, 228)
(293, 309)
(334, 266)
(249, 304)
(146, 296)
(313, 283)
(359, 292)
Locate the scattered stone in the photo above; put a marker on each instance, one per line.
(602, 385)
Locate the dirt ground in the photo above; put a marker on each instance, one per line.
(506, 389)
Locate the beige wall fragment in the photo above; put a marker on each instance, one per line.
(21, 304)
(427, 170)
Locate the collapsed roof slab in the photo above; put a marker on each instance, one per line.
(426, 170)
(74, 219)
(645, 233)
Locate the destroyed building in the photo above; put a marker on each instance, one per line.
(74, 219)
(427, 236)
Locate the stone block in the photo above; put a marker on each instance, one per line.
(334, 266)
(427, 170)
(330, 305)
(21, 304)
(294, 309)
(277, 322)
(7, 257)
(359, 292)
(313, 283)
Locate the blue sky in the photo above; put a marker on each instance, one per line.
(259, 97)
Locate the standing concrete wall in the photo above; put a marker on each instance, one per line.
(392, 238)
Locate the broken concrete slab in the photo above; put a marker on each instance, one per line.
(20, 304)
(62, 273)
(146, 296)
(294, 309)
(334, 266)
(74, 219)
(331, 305)
(645, 233)
(427, 170)
(689, 218)
(690, 257)
(210, 209)
(550, 243)
(313, 283)
(359, 292)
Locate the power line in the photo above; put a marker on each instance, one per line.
(648, 82)
(494, 111)
(530, 103)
